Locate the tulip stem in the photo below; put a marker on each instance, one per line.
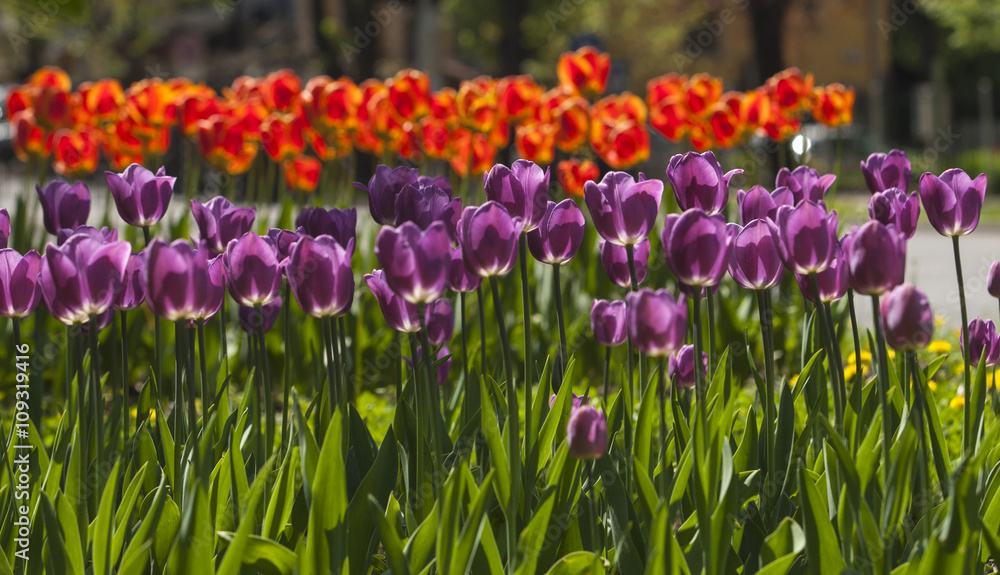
(607, 378)
(157, 330)
(967, 431)
(349, 389)
(268, 393)
(831, 353)
(556, 381)
(482, 330)
(593, 507)
(856, 405)
(466, 408)
(331, 326)
(178, 407)
(710, 300)
(701, 498)
(522, 256)
(767, 338)
(397, 344)
(223, 337)
(287, 364)
(207, 391)
(923, 477)
(331, 374)
(431, 386)
(420, 411)
(513, 452)
(123, 316)
(883, 387)
(661, 394)
(98, 408)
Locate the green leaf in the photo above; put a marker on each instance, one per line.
(533, 537)
(104, 524)
(70, 534)
(194, 547)
(379, 482)
(781, 548)
(822, 545)
(236, 553)
(578, 563)
(627, 556)
(327, 532)
(58, 558)
(136, 555)
(498, 453)
(475, 523)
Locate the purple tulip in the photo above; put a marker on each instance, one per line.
(698, 181)
(64, 205)
(657, 323)
(132, 292)
(20, 282)
(623, 210)
(884, 171)
(81, 277)
(425, 205)
(832, 281)
(680, 367)
(953, 202)
(558, 237)
(437, 182)
(460, 279)
(614, 258)
(578, 400)
(876, 258)
(607, 320)
(251, 320)
(284, 241)
(320, 276)
(893, 207)
(488, 235)
(383, 188)
(907, 318)
(341, 225)
(993, 280)
(754, 262)
(440, 321)
(523, 189)
(756, 203)
(804, 183)
(587, 433)
(103, 235)
(4, 228)
(141, 196)
(220, 222)
(183, 281)
(697, 246)
(807, 237)
(252, 270)
(983, 339)
(399, 314)
(415, 261)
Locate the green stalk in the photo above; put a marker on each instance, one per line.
(661, 394)
(831, 353)
(398, 367)
(923, 476)
(178, 408)
(710, 299)
(430, 387)
(349, 390)
(513, 449)
(287, 364)
(157, 330)
(123, 316)
(223, 336)
(563, 359)
(701, 502)
(482, 330)
(593, 506)
(95, 388)
(331, 372)
(207, 393)
(421, 414)
(522, 246)
(767, 338)
(341, 383)
(883, 388)
(607, 378)
(967, 431)
(81, 408)
(466, 408)
(857, 372)
(268, 391)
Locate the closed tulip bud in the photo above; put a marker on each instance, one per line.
(488, 235)
(657, 323)
(4, 228)
(20, 282)
(64, 205)
(907, 318)
(440, 321)
(284, 241)
(807, 237)
(614, 259)
(893, 207)
(577, 401)
(103, 235)
(133, 290)
(876, 258)
(680, 367)
(252, 270)
(754, 262)
(953, 202)
(884, 171)
(523, 189)
(250, 319)
(622, 209)
(183, 282)
(983, 340)
(140, 195)
(558, 237)
(220, 222)
(339, 224)
(399, 314)
(697, 246)
(383, 188)
(81, 277)
(832, 281)
(698, 181)
(993, 280)
(608, 322)
(460, 279)
(320, 276)
(415, 261)
(757, 203)
(425, 205)
(804, 183)
(587, 433)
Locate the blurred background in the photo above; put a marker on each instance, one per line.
(924, 70)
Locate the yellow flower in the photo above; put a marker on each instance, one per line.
(134, 413)
(938, 320)
(850, 370)
(932, 385)
(866, 357)
(958, 402)
(890, 354)
(793, 380)
(939, 346)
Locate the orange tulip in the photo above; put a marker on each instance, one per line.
(478, 145)
(444, 106)
(21, 98)
(331, 147)
(725, 123)
(518, 97)
(790, 89)
(618, 130)
(76, 151)
(435, 137)
(700, 137)
(781, 126)
(151, 102)
(573, 174)
(572, 115)
(755, 109)
(409, 94)
(159, 141)
(244, 89)
(302, 173)
(280, 90)
(667, 101)
(702, 91)
(102, 100)
(477, 104)
(194, 107)
(833, 105)
(55, 108)
(30, 140)
(282, 136)
(537, 142)
(584, 72)
(51, 77)
(331, 104)
(222, 144)
(250, 117)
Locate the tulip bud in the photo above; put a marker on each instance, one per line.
(608, 322)
(587, 433)
(907, 318)
(141, 196)
(614, 259)
(876, 257)
(993, 280)
(489, 235)
(656, 322)
(697, 246)
(698, 181)
(680, 367)
(623, 210)
(20, 282)
(884, 171)
(523, 189)
(559, 234)
(64, 205)
(983, 339)
(251, 320)
(754, 262)
(415, 261)
(953, 202)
